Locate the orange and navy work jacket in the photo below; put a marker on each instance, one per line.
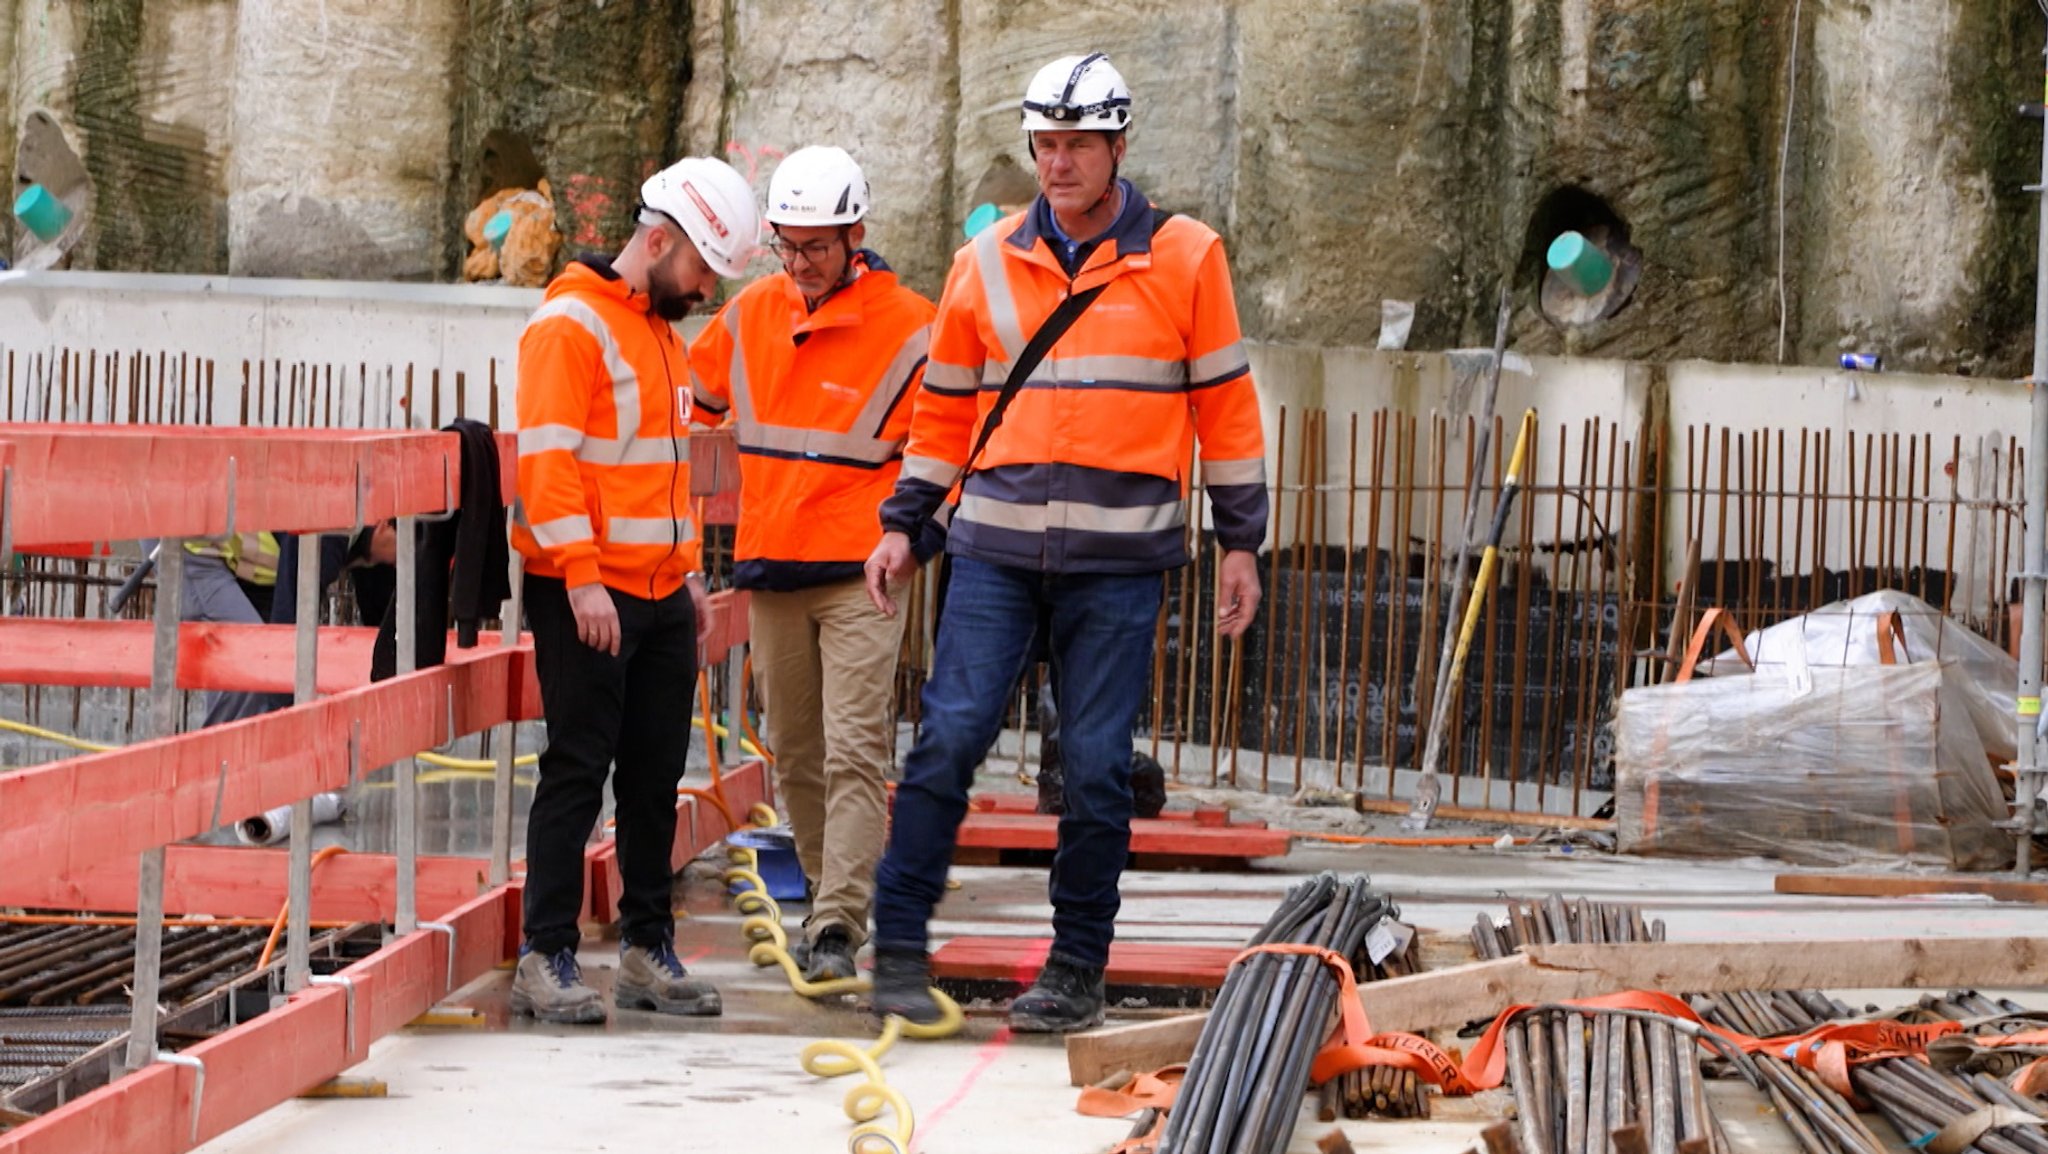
(604, 449)
(1089, 469)
(820, 403)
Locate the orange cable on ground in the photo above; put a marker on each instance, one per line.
(284, 914)
(716, 794)
(746, 723)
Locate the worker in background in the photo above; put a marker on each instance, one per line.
(816, 366)
(230, 580)
(614, 597)
(1070, 516)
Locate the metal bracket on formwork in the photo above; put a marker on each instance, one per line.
(444, 927)
(348, 985)
(231, 497)
(453, 736)
(198, 1083)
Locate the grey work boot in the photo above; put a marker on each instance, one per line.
(652, 978)
(550, 987)
(830, 956)
(1065, 997)
(903, 980)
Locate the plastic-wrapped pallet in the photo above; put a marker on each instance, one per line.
(1815, 765)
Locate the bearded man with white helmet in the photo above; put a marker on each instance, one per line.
(613, 592)
(1073, 477)
(815, 366)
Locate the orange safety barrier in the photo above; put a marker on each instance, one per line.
(75, 813)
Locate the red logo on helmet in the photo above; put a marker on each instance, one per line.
(710, 217)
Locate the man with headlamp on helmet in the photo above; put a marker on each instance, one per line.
(817, 366)
(1073, 480)
(613, 592)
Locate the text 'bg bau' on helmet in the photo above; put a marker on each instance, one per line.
(1083, 93)
(713, 205)
(819, 185)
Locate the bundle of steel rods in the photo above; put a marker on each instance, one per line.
(1373, 1092)
(1590, 1080)
(1243, 1089)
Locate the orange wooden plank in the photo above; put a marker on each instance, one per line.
(1148, 836)
(1027, 803)
(1130, 963)
(72, 814)
(1890, 886)
(121, 482)
(249, 882)
(270, 1059)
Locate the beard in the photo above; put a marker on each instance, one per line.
(668, 300)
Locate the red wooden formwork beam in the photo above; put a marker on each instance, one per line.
(271, 1059)
(122, 482)
(71, 814)
(249, 882)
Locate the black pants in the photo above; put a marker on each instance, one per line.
(631, 711)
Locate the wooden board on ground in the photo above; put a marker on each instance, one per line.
(1000, 831)
(1882, 886)
(1027, 803)
(1130, 963)
(1562, 972)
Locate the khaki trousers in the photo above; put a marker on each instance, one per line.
(825, 665)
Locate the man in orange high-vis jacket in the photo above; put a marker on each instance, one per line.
(816, 367)
(613, 595)
(1067, 520)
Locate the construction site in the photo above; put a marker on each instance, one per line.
(1638, 747)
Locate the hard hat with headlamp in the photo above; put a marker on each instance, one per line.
(1077, 93)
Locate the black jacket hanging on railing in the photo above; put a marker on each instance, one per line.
(462, 562)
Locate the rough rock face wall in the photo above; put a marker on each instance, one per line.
(587, 95)
(342, 121)
(1422, 150)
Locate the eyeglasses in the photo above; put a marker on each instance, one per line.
(815, 252)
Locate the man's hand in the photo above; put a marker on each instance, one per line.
(890, 564)
(1237, 592)
(702, 601)
(597, 619)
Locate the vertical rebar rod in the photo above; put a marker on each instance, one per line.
(163, 715)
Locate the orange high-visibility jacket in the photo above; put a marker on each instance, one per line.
(1088, 471)
(819, 402)
(604, 449)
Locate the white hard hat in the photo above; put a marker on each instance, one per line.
(818, 185)
(1077, 92)
(711, 202)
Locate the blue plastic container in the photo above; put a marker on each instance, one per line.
(775, 851)
(498, 228)
(1580, 262)
(42, 213)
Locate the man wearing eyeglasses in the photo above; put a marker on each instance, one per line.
(816, 367)
(613, 593)
(1071, 510)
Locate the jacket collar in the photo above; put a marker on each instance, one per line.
(846, 305)
(1130, 232)
(592, 275)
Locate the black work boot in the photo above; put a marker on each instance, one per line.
(1065, 997)
(903, 980)
(830, 956)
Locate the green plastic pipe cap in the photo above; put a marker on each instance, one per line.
(982, 216)
(498, 228)
(42, 213)
(1580, 262)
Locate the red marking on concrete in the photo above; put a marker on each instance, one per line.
(983, 1059)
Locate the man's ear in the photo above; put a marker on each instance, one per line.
(857, 234)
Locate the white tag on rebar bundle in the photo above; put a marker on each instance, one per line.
(1380, 943)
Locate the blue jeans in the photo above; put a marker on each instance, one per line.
(1100, 631)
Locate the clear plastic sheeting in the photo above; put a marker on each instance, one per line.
(1828, 766)
(1845, 633)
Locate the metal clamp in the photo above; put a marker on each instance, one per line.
(444, 927)
(198, 1083)
(348, 984)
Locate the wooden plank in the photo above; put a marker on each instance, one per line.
(72, 814)
(1130, 963)
(1027, 803)
(270, 1059)
(1148, 836)
(249, 882)
(1889, 886)
(256, 658)
(123, 482)
(1468, 993)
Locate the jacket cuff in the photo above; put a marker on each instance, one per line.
(581, 571)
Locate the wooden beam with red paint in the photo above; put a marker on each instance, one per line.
(68, 815)
(124, 482)
(1018, 960)
(1148, 836)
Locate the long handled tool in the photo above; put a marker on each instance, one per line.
(1430, 789)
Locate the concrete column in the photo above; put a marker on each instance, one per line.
(343, 111)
